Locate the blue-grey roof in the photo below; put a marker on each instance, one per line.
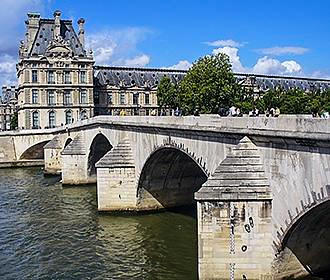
(266, 82)
(150, 77)
(141, 77)
(45, 35)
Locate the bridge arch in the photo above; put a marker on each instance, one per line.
(169, 178)
(98, 148)
(308, 238)
(35, 152)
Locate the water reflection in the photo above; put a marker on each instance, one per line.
(50, 232)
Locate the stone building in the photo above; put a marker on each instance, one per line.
(129, 91)
(55, 74)
(8, 106)
(58, 83)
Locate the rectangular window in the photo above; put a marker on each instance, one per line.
(146, 99)
(83, 77)
(51, 97)
(51, 119)
(68, 117)
(83, 97)
(67, 77)
(34, 96)
(109, 98)
(67, 98)
(135, 98)
(34, 76)
(35, 120)
(122, 98)
(51, 77)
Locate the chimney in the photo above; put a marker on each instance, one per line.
(81, 33)
(32, 26)
(57, 17)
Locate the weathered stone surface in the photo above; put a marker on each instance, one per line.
(55, 143)
(76, 147)
(116, 187)
(239, 176)
(119, 156)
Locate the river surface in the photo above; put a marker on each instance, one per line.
(52, 232)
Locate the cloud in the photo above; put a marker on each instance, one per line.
(13, 13)
(233, 56)
(138, 61)
(225, 43)
(266, 65)
(7, 70)
(12, 17)
(118, 46)
(292, 66)
(181, 65)
(283, 50)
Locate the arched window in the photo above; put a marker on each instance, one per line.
(68, 117)
(51, 119)
(83, 115)
(35, 119)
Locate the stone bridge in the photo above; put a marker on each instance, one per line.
(262, 185)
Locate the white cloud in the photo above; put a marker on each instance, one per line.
(292, 66)
(118, 47)
(233, 56)
(7, 70)
(271, 66)
(12, 16)
(138, 61)
(13, 13)
(283, 50)
(181, 65)
(320, 75)
(224, 43)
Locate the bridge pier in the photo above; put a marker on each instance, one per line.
(52, 153)
(74, 163)
(116, 179)
(234, 219)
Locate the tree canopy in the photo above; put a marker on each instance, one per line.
(210, 84)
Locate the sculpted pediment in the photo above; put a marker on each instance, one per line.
(58, 47)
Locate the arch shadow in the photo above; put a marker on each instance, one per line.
(169, 178)
(67, 142)
(99, 147)
(309, 239)
(35, 152)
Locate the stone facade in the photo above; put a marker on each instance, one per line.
(55, 74)
(8, 107)
(58, 84)
(130, 91)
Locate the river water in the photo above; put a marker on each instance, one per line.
(52, 232)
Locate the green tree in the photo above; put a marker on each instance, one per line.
(208, 85)
(167, 93)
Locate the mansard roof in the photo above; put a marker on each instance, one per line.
(45, 35)
(135, 77)
(266, 82)
(150, 78)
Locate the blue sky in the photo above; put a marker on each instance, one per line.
(271, 37)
